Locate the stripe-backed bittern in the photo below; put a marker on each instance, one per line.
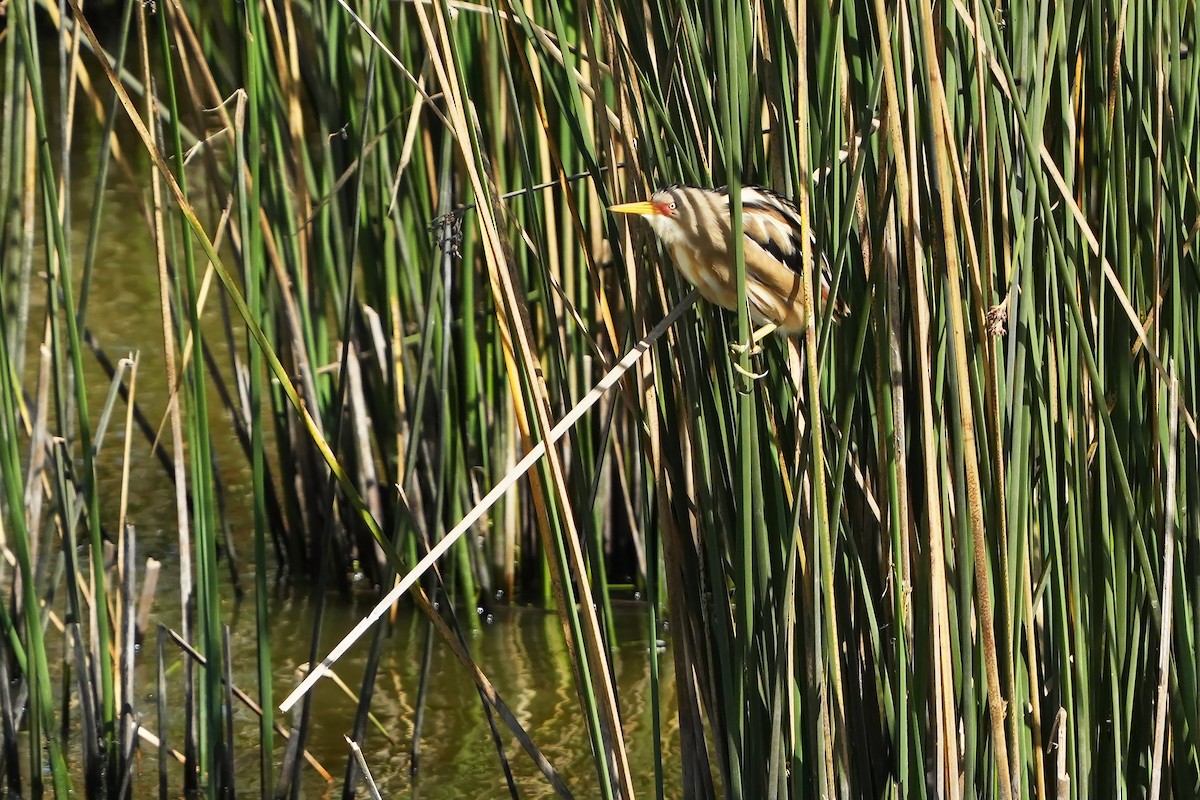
(694, 225)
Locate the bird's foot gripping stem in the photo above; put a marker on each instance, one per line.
(737, 348)
(754, 376)
(752, 347)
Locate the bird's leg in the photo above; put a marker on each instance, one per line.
(740, 347)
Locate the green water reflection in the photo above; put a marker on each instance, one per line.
(522, 651)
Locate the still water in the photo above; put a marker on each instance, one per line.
(520, 649)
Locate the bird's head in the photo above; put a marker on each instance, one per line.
(668, 212)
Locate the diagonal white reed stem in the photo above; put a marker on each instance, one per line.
(557, 432)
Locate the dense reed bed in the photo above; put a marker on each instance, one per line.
(946, 547)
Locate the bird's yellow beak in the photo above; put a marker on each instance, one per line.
(643, 208)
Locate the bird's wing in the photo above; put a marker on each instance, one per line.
(772, 223)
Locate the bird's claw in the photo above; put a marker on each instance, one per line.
(737, 348)
(754, 376)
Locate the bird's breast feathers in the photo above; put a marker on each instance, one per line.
(712, 278)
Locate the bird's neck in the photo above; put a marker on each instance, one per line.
(667, 231)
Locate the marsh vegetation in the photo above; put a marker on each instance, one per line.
(946, 547)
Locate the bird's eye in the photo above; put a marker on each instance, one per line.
(672, 206)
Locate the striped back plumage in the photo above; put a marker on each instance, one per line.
(700, 221)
